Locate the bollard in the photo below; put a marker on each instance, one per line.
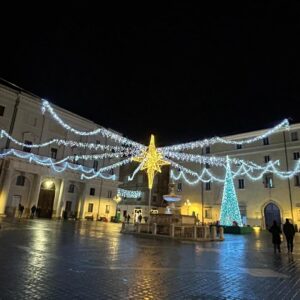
(123, 227)
(206, 232)
(213, 232)
(195, 232)
(154, 229)
(172, 230)
(221, 231)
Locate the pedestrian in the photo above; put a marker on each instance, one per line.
(289, 232)
(33, 209)
(128, 218)
(21, 208)
(140, 217)
(276, 238)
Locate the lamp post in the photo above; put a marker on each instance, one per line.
(118, 199)
(187, 203)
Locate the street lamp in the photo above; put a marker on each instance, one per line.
(187, 203)
(118, 199)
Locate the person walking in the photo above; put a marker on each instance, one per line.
(289, 232)
(33, 209)
(276, 240)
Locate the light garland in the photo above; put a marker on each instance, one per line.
(108, 168)
(243, 170)
(58, 167)
(208, 142)
(104, 132)
(129, 193)
(126, 151)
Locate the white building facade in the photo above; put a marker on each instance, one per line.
(24, 182)
(262, 201)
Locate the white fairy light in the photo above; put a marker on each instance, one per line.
(129, 193)
(208, 142)
(104, 132)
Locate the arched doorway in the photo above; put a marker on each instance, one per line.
(272, 213)
(46, 199)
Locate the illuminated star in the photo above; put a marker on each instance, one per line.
(151, 160)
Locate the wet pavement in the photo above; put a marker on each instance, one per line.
(43, 259)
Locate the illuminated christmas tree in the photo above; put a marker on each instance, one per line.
(230, 211)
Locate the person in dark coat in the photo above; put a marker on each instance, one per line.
(276, 240)
(289, 232)
(33, 209)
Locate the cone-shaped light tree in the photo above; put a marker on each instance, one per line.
(230, 211)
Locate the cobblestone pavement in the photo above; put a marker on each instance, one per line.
(41, 259)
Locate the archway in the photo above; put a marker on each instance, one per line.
(272, 213)
(46, 199)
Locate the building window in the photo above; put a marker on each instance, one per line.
(294, 136)
(266, 141)
(20, 180)
(297, 180)
(238, 146)
(2, 109)
(90, 208)
(27, 149)
(207, 150)
(241, 184)
(53, 153)
(207, 186)
(179, 187)
(95, 165)
(71, 188)
(107, 209)
(92, 191)
(268, 181)
(267, 158)
(296, 155)
(207, 166)
(208, 213)
(109, 194)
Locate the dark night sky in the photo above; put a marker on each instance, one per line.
(178, 71)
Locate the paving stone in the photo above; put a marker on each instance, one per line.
(46, 259)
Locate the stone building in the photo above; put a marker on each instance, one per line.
(262, 201)
(28, 183)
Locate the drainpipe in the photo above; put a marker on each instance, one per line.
(287, 169)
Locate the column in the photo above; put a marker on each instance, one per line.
(35, 192)
(60, 202)
(80, 210)
(5, 190)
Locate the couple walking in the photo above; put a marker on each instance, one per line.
(289, 232)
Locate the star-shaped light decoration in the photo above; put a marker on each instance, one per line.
(151, 160)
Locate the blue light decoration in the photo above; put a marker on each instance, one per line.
(230, 211)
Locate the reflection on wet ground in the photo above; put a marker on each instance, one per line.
(44, 259)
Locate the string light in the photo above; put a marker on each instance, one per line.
(58, 167)
(108, 168)
(104, 132)
(125, 150)
(243, 170)
(129, 193)
(208, 142)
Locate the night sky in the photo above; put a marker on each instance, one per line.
(181, 72)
